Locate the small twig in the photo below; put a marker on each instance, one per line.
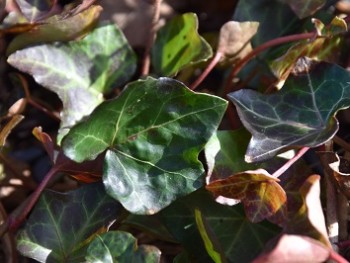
(152, 36)
(14, 223)
(288, 164)
(32, 102)
(208, 69)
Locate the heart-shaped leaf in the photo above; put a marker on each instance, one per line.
(60, 224)
(118, 246)
(304, 8)
(79, 69)
(259, 192)
(57, 29)
(301, 114)
(240, 240)
(178, 45)
(153, 133)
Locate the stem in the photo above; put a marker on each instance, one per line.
(274, 42)
(14, 223)
(344, 144)
(336, 257)
(288, 164)
(209, 68)
(153, 31)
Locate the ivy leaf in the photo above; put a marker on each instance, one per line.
(260, 11)
(57, 28)
(308, 218)
(153, 133)
(178, 45)
(240, 240)
(301, 114)
(304, 8)
(119, 246)
(84, 69)
(294, 248)
(49, 237)
(234, 39)
(35, 10)
(259, 192)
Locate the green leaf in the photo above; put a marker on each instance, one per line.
(79, 69)
(60, 226)
(260, 193)
(301, 114)
(284, 20)
(118, 246)
(35, 10)
(304, 8)
(57, 28)
(240, 239)
(225, 154)
(178, 45)
(153, 133)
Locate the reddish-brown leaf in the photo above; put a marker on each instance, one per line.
(259, 192)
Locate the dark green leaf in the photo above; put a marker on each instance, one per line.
(225, 154)
(57, 29)
(35, 10)
(178, 45)
(275, 18)
(304, 8)
(118, 246)
(240, 239)
(79, 69)
(301, 114)
(153, 133)
(61, 224)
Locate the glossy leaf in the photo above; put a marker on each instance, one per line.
(293, 248)
(153, 133)
(35, 10)
(83, 69)
(259, 192)
(224, 154)
(178, 45)
(61, 224)
(304, 8)
(301, 114)
(118, 246)
(234, 39)
(283, 22)
(240, 240)
(57, 28)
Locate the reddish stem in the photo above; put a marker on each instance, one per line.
(288, 164)
(336, 257)
(15, 223)
(274, 42)
(152, 36)
(208, 69)
(43, 109)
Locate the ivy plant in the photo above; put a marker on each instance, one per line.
(149, 161)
